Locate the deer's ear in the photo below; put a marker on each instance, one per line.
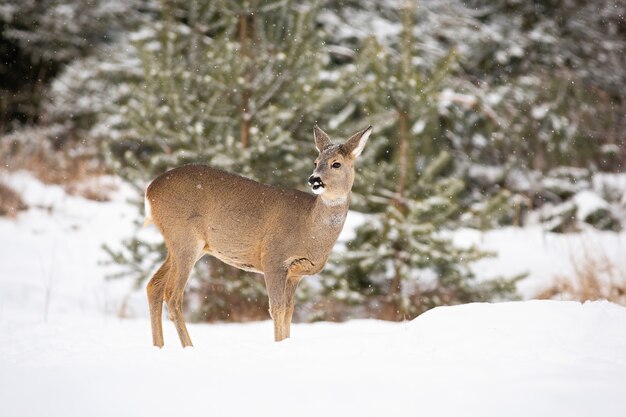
(322, 141)
(357, 142)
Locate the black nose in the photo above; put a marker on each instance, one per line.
(314, 179)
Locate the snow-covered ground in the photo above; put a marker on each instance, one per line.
(538, 358)
(540, 254)
(64, 352)
(51, 256)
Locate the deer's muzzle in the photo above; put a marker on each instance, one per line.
(316, 184)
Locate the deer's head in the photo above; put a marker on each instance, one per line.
(334, 166)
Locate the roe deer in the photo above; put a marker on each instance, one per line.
(281, 233)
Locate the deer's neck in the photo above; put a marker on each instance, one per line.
(329, 215)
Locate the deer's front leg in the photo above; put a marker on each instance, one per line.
(275, 283)
(290, 300)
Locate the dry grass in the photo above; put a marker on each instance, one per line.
(10, 201)
(92, 189)
(76, 174)
(73, 168)
(595, 277)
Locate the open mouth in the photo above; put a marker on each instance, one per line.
(317, 186)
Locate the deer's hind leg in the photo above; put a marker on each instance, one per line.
(184, 256)
(155, 290)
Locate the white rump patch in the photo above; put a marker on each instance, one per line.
(147, 207)
(148, 210)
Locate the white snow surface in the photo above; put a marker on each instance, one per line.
(64, 352)
(541, 255)
(51, 256)
(534, 358)
(589, 202)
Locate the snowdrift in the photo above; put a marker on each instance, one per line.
(528, 358)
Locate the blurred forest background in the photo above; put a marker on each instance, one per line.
(486, 114)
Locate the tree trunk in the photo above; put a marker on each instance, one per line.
(402, 161)
(244, 137)
(393, 310)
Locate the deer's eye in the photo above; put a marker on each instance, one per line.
(314, 164)
(336, 165)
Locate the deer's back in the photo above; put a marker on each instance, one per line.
(233, 214)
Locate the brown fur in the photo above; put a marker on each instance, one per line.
(281, 233)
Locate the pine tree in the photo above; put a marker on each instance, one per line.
(403, 242)
(237, 86)
(402, 260)
(234, 85)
